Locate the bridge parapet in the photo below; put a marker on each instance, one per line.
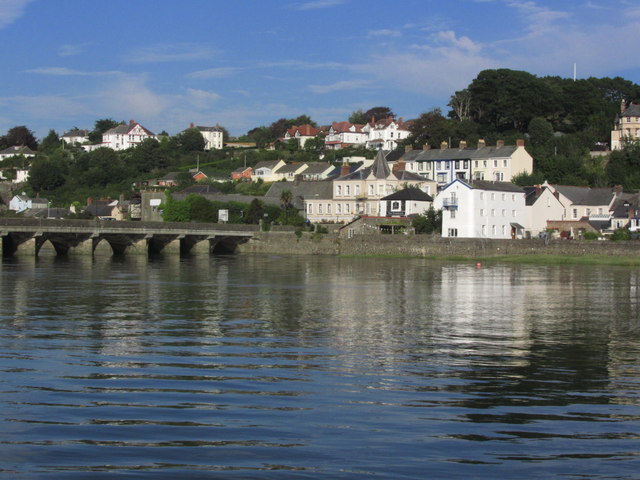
(82, 236)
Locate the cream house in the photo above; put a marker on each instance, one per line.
(359, 192)
(498, 163)
(266, 171)
(627, 126)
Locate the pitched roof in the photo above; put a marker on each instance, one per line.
(585, 195)
(632, 110)
(270, 164)
(481, 153)
(17, 150)
(290, 167)
(316, 168)
(320, 189)
(410, 194)
(304, 130)
(76, 132)
(495, 186)
(124, 129)
(380, 168)
(346, 127)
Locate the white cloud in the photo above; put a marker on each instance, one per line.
(11, 10)
(202, 96)
(67, 72)
(319, 4)
(384, 33)
(71, 50)
(341, 85)
(219, 72)
(130, 97)
(170, 53)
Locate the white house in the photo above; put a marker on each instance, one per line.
(344, 134)
(385, 134)
(76, 136)
(17, 151)
(593, 204)
(405, 202)
(20, 203)
(266, 171)
(126, 136)
(213, 136)
(302, 133)
(482, 209)
(542, 206)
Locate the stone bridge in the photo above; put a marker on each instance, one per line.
(83, 237)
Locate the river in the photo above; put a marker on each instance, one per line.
(273, 367)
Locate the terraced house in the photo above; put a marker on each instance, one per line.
(498, 163)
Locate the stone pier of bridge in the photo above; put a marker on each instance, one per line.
(123, 238)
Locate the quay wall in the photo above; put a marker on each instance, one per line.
(287, 243)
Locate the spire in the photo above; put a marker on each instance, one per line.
(380, 167)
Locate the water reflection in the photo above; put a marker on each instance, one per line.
(341, 368)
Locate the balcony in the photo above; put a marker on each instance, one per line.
(450, 203)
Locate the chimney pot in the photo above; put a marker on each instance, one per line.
(481, 143)
(345, 169)
(520, 142)
(500, 143)
(131, 122)
(444, 145)
(408, 148)
(426, 146)
(463, 144)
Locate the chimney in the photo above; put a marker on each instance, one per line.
(131, 122)
(297, 179)
(500, 144)
(89, 201)
(617, 190)
(426, 146)
(444, 145)
(408, 148)
(481, 143)
(345, 169)
(538, 190)
(191, 125)
(623, 105)
(520, 142)
(399, 166)
(463, 144)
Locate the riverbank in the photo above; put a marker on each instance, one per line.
(427, 246)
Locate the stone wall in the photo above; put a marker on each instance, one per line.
(288, 243)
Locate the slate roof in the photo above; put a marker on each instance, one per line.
(316, 168)
(76, 133)
(270, 164)
(491, 186)
(321, 189)
(621, 206)
(481, 153)
(632, 110)
(124, 129)
(199, 189)
(290, 168)
(410, 194)
(585, 195)
(17, 150)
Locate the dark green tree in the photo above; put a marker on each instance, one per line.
(19, 136)
(45, 176)
(255, 212)
(50, 143)
(191, 140)
(100, 127)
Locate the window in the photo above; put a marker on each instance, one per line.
(513, 213)
(482, 212)
(504, 212)
(504, 163)
(504, 230)
(493, 230)
(574, 213)
(347, 208)
(339, 190)
(466, 164)
(588, 211)
(371, 189)
(493, 212)
(395, 206)
(357, 189)
(499, 176)
(453, 213)
(457, 164)
(319, 208)
(513, 197)
(481, 195)
(495, 164)
(484, 230)
(453, 232)
(329, 208)
(441, 178)
(310, 208)
(493, 196)
(347, 190)
(475, 164)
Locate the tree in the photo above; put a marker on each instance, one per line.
(460, 102)
(19, 136)
(45, 176)
(429, 223)
(285, 200)
(50, 143)
(377, 113)
(430, 128)
(100, 127)
(357, 117)
(255, 212)
(540, 131)
(149, 156)
(191, 140)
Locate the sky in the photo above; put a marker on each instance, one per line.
(246, 63)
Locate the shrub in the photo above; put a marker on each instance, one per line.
(591, 236)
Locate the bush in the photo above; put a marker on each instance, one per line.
(620, 234)
(591, 236)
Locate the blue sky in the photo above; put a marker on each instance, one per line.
(247, 63)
